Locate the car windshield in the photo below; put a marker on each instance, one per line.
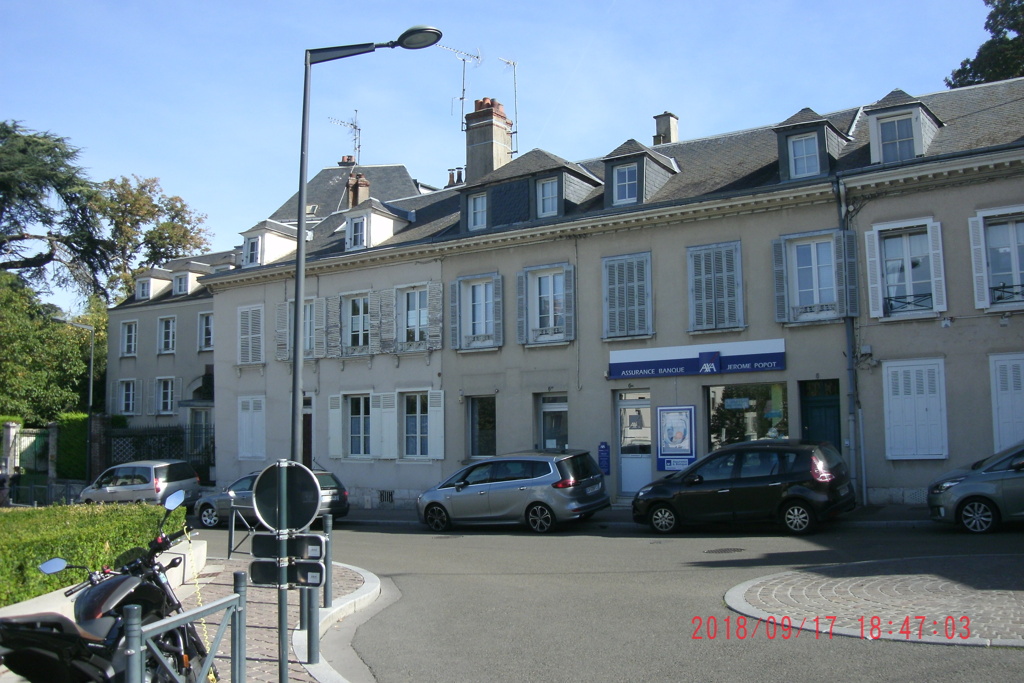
(327, 480)
(992, 459)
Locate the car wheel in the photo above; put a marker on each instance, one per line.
(798, 518)
(208, 517)
(663, 519)
(978, 516)
(437, 518)
(540, 518)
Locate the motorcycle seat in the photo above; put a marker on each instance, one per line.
(55, 622)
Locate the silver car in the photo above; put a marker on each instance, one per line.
(979, 497)
(537, 487)
(149, 481)
(214, 509)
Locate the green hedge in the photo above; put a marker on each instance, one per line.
(12, 418)
(72, 442)
(87, 535)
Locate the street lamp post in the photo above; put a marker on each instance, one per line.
(415, 38)
(88, 422)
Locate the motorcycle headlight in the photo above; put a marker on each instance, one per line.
(946, 484)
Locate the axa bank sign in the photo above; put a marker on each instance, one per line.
(701, 359)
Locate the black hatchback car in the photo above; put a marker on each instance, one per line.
(798, 483)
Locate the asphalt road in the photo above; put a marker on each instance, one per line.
(600, 602)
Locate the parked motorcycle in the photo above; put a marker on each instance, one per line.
(50, 647)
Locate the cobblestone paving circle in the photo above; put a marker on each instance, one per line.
(961, 600)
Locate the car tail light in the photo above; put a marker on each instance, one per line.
(156, 485)
(564, 483)
(820, 471)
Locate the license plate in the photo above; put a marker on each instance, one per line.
(333, 496)
(594, 489)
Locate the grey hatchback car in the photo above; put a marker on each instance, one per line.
(148, 481)
(980, 496)
(540, 488)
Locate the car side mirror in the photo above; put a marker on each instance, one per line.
(693, 479)
(1017, 464)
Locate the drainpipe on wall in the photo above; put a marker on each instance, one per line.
(852, 395)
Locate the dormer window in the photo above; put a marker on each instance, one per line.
(897, 138)
(251, 254)
(180, 284)
(625, 184)
(477, 205)
(803, 155)
(357, 233)
(142, 289)
(547, 197)
(900, 128)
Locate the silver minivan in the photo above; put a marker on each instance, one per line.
(143, 481)
(540, 488)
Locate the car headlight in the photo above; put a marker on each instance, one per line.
(947, 484)
(644, 491)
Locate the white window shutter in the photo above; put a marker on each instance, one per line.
(938, 268)
(979, 264)
(319, 327)
(335, 431)
(522, 333)
(281, 331)
(499, 325)
(387, 320)
(435, 316)
(373, 305)
(454, 324)
(333, 326)
(178, 388)
(259, 428)
(876, 307)
(435, 425)
(1008, 399)
(570, 302)
(779, 271)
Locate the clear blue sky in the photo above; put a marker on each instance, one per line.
(206, 95)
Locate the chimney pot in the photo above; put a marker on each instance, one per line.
(666, 128)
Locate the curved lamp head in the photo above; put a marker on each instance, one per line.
(418, 37)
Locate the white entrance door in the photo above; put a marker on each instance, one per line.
(1007, 398)
(634, 409)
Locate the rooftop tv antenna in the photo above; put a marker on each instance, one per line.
(464, 57)
(354, 125)
(515, 103)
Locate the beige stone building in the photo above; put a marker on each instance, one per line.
(854, 277)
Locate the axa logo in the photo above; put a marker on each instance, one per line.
(710, 363)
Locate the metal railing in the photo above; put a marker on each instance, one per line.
(140, 639)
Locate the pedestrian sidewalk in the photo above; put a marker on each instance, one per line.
(353, 588)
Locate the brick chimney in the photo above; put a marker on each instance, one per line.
(358, 189)
(488, 139)
(666, 128)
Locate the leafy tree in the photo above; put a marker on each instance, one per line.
(41, 365)
(147, 228)
(49, 228)
(1001, 56)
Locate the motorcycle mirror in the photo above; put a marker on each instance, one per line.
(174, 500)
(52, 566)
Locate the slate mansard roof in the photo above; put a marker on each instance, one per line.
(968, 120)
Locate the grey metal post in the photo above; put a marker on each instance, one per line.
(303, 608)
(231, 531)
(238, 630)
(312, 628)
(328, 563)
(133, 643)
